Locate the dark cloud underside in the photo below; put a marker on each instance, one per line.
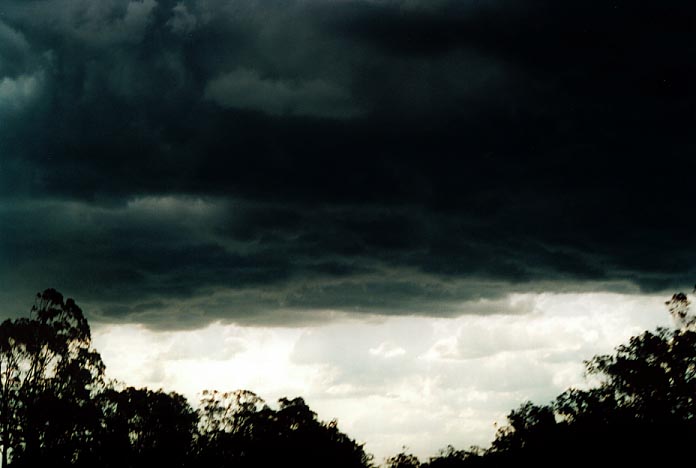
(255, 159)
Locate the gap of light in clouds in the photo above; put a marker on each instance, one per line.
(414, 381)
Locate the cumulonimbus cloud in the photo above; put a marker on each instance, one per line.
(351, 157)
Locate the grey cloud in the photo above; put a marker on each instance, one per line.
(19, 92)
(182, 21)
(195, 260)
(14, 51)
(296, 157)
(22, 73)
(246, 89)
(101, 24)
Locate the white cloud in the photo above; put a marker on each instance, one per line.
(414, 381)
(225, 357)
(387, 350)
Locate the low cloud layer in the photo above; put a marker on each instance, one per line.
(172, 262)
(420, 382)
(178, 162)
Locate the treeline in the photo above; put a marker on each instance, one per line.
(57, 409)
(642, 412)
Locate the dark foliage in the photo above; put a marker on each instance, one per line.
(49, 379)
(57, 410)
(643, 410)
(144, 428)
(239, 429)
(403, 460)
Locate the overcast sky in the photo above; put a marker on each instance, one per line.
(225, 167)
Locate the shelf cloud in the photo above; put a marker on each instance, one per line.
(176, 163)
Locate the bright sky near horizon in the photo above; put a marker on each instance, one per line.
(417, 382)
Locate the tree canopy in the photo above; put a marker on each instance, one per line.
(58, 409)
(642, 409)
(49, 376)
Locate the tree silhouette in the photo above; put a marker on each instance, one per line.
(144, 428)
(641, 411)
(528, 426)
(679, 308)
(57, 410)
(48, 376)
(452, 458)
(226, 425)
(238, 428)
(402, 460)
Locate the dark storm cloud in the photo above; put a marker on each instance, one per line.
(262, 160)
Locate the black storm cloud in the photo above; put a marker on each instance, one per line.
(177, 162)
